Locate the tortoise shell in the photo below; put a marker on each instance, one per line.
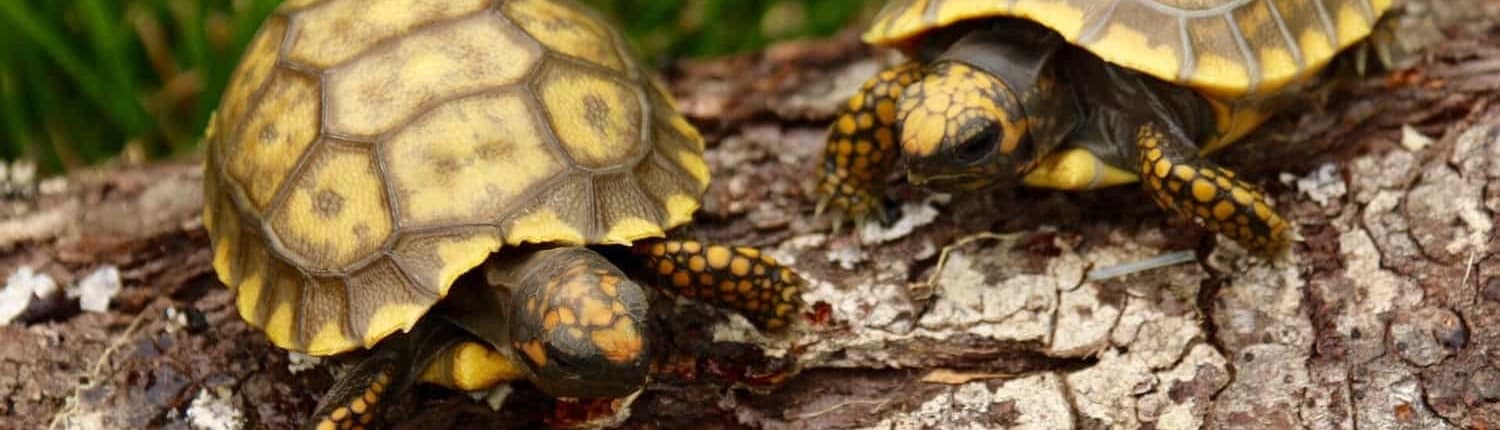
(368, 152)
(1222, 47)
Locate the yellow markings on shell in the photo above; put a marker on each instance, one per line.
(1351, 24)
(1380, 6)
(1204, 191)
(1221, 76)
(680, 208)
(595, 312)
(1077, 169)
(566, 316)
(620, 343)
(339, 30)
(254, 69)
(227, 244)
(435, 262)
(630, 229)
(376, 92)
(567, 30)
(336, 212)
(471, 366)
(389, 318)
(541, 226)
(696, 263)
(252, 285)
(1277, 66)
(1059, 16)
(1157, 60)
(684, 128)
(693, 162)
(1315, 45)
(598, 120)
(329, 339)
(327, 424)
(279, 325)
(487, 149)
(273, 136)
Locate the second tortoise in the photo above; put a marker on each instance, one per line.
(1085, 94)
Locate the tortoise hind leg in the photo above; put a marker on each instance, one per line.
(736, 278)
(861, 149)
(1181, 181)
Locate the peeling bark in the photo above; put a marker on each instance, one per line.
(1386, 316)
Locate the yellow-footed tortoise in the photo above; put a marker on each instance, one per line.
(368, 154)
(1084, 94)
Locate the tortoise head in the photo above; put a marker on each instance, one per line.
(963, 128)
(582, 332)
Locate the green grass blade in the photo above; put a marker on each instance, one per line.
(122, 108)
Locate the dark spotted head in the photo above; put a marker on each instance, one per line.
(963, 128)
(583, 334)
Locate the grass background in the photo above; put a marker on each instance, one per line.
(90, 81)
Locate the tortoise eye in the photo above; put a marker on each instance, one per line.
(978, 144)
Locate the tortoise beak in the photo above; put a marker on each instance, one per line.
(946, 182)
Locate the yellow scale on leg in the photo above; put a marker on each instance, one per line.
(737, 278)
(359, 411)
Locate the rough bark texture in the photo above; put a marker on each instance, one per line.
(1386, 316)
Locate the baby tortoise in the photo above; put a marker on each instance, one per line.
(368, 154)
(1085, 94)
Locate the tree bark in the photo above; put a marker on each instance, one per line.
(971, 311)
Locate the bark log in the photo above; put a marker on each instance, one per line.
(1386, 316)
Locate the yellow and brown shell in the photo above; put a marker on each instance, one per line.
(368, 152)
(1224, 47)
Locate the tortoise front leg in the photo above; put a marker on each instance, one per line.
(1183, 182)
(741, 279)
(861, 148)
(357, 399)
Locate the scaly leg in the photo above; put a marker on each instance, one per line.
(1181, 181)
(861, 148)
(357, 398)
(736, 278)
